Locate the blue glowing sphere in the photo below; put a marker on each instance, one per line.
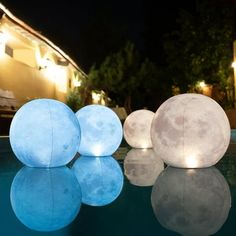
(100, 179)
(45, 133)
(101, 131)
(45, 199)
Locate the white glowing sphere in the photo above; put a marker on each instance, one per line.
(101, 130)
(45, 199)
(100, 179)
(45, 133)
(190, 131)
(191, 201)
(142, 166)
(137, 127)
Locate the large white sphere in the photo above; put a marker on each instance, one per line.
(45, 133)
(190, 131)
(137, 128)
(101, 130)
(142, 166)
(100, 179)
(191, 201)
(45, 199)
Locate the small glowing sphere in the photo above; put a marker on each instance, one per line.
(190, 131)
(100, 179)
(142, 166)
(101, 131)
(137, 127)
(45, 199)
(45, 133)
(191, 201)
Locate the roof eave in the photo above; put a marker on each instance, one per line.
(15, 20)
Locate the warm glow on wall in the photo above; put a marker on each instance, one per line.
(60, 75)
(3, 40)
(77, 83)
(233, 64)
(56, 74)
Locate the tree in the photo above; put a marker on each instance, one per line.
(201, 47)
(129, 80)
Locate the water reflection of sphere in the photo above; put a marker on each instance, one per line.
(100, 178)
(190, 131)
(191, 201)
(45, 133)
(101, 130)
(137, 128)
(45, 199)
(142, 166)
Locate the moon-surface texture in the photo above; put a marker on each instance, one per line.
(190, 131)
(142, 166)
(101, 131)
(137, 128)
(191, 201)
(45, 199)
(45, 133)
(100, 178)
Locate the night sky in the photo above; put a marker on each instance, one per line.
(90, 30)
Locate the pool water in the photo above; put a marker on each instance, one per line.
(233, 134)
(184, 202)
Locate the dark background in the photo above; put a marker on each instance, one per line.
(90, 30)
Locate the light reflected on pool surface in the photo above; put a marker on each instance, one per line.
(101, 179)
(45, 199)
(142, 166)
(196, 204)
(130, 212)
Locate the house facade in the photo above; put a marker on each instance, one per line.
(31, 66)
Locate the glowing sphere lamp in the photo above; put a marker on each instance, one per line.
(191, 201)
(137, 128)
(45, 133)
(190, 131)
(100, 179)
(101, 130)
(142, 166)
(45, 199)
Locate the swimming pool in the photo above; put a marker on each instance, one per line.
(138, 210)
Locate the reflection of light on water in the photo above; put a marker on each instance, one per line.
(100, 179)
(142, 166)
(45, 199)
(190, 171)
(144, 149)
(191, 201)
(191, 161)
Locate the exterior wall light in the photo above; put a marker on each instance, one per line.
(45, 63)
